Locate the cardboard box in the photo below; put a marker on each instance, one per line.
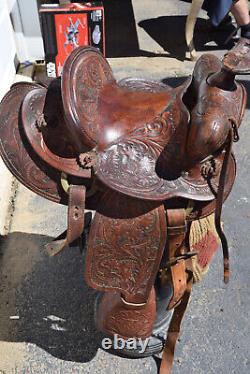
(65, 27)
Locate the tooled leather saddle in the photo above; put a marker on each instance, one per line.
(151, 160)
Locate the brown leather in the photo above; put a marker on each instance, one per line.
(144, 162)
(76, 208)
(17, 153)
(118, 317)
(114, 168)
(131, 165)
(237, 60)
(103, 111)
(219, 200)
(32, 113)
(182, 292)
(174, 331)
(127, 236)
(210, 124)
(176, 231)
(179, 267)
(203, 209)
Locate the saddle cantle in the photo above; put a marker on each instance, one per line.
(154, 162)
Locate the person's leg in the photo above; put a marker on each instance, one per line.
(217, 10)
(240, 12)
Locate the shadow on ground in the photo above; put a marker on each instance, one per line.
(167, 31)
(54, 304)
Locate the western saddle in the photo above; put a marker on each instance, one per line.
(151, 160)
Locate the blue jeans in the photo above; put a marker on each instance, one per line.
(217, 9)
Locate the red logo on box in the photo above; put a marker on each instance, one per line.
(71, 32)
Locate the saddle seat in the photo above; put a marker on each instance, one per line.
(134, 162)
(99, 110)
(146, 140)
(136, 131)
(121, 111)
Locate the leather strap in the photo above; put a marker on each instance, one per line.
(76, 208)
(176, 232)
(219, 202)
(174, 331)
(176, 229)
(182, 280)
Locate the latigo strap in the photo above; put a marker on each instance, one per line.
(219, 202)
(181, 272)
(176, 229)
(174, 331)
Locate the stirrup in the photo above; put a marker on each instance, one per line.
(156, 341)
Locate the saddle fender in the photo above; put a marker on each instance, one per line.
(128, 236)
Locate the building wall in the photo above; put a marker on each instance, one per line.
(7, 49)
(25, 19)
(30, 30)
(20, 38)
